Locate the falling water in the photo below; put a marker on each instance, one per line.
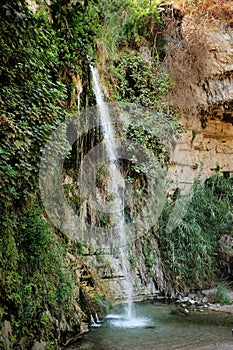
(113, 168)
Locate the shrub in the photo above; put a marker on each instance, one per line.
(189, 251)
(133, 24)
(34, 274)
(220, 294)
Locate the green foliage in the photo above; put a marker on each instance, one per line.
(189, 251)
(130, 23)
(220, 294)
(102, 173)
(78, 248)
(74, 200)
(35, 52)
(133, 261)
(30, 100)
(137, 80)
(76, 24)
(148, 251)
(34, 274)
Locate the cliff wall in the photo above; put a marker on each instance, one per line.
(200, 62)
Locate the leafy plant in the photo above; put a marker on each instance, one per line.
(189, 250)
(34, 274)
(37, 56)
(130, 23)
(133, 261)
(220, 294)
(137, 80)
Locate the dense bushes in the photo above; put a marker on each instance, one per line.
(34, 275)
(31, 100)
(190, 251)
(140, 22)
(137, 80)
(36, 50)
(130, 24)
(34, 53)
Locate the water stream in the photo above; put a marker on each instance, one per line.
(114, 184)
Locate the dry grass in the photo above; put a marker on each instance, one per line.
(218, 9)
(187, 46)
(187, 26)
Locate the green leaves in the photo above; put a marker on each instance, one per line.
(76, 25)
(35, 52)
(189, 251)
(31, 100)
(130, 23)
(138, 80)
(142, 21)
(34, 272)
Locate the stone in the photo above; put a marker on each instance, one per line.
(5, 335)
(207, 144)
(205, 300)
(40, 345)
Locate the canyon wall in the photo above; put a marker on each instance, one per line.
(200, 62)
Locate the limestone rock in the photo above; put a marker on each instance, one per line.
(5, 335)
(200, 62)
(39, 345)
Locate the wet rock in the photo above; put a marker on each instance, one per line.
(179, 311)
(185, 299)
(205, 300)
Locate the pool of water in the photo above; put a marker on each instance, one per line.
(154, 327)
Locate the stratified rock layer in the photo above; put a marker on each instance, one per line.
(200, 61)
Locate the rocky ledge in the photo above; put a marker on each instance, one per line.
(216, 299)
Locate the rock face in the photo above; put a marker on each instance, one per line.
(200, 62)
(147, 280)
(202, 152)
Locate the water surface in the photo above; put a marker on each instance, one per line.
(154, 327)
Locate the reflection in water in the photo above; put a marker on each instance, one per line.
(153, 327)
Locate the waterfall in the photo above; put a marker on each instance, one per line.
(115, 177)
